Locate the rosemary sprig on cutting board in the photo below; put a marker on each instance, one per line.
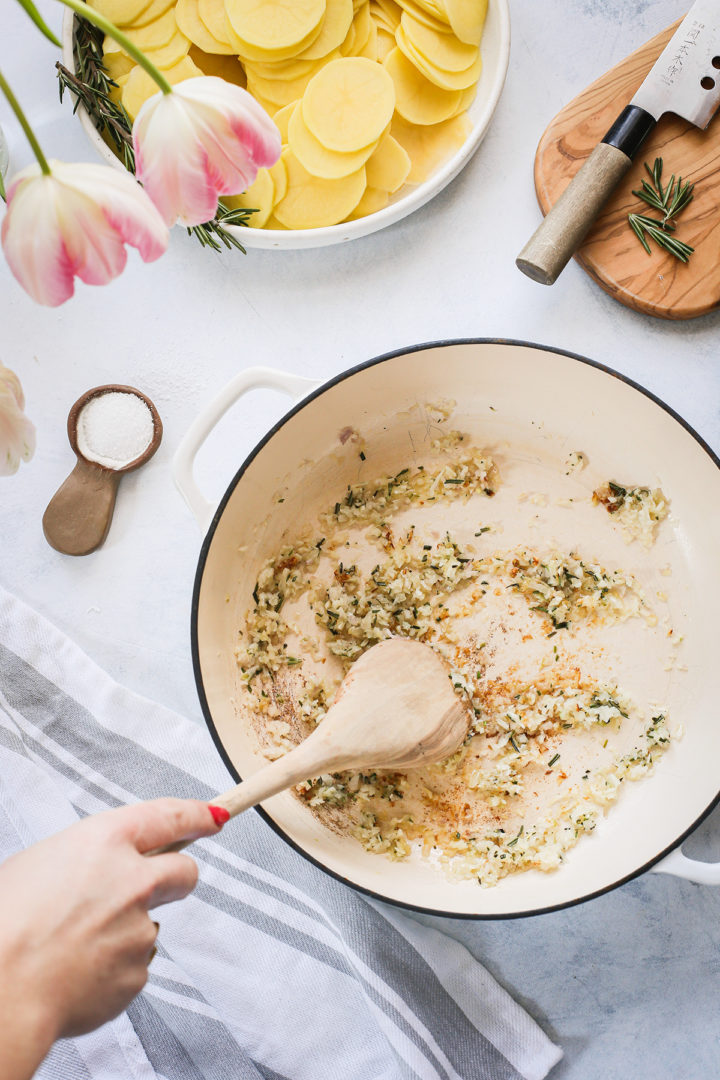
(670, 201)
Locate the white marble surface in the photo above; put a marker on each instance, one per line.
(627, 983)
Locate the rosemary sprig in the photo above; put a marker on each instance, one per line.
(670, 201)
(644, 226)
(92, 87)
(212, 232)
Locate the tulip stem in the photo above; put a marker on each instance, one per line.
(24, 124)
(86, 12)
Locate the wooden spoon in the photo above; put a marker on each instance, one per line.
(395, 709)
(77, 518)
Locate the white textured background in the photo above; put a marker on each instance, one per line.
(627, 983)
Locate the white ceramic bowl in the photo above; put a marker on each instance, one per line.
(495, 55)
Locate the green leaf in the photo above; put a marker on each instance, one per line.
(37, 18)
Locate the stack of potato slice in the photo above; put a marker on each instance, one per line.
(369, 95)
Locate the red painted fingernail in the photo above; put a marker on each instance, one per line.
(220, 814)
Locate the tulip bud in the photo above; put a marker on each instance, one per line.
(206, 139)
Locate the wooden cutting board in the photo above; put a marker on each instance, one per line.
(657, 284)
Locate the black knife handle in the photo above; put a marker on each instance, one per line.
(632, 126)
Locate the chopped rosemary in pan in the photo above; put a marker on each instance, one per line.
(423, 581)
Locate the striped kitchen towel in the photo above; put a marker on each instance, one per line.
(270, 969)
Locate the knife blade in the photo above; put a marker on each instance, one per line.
(675, 82)
(684, 80)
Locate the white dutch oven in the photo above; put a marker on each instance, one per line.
(528, 405)
(495, 51)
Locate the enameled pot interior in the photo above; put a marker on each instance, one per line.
(530, 407)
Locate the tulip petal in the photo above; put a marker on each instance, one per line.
(206, 139)
(75, 223)
(17, 433)
(126, 207)
(170, 164)
(33, 244)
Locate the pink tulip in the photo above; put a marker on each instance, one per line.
(76, 221)
(17, 434)
(206, 139)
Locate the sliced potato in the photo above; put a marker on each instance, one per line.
(370, 48)
(140, 87)
(372, 200)
(246, 51)
(388, 166)
(187, 14)
(275, 24)
(280, 92)
(212, 14)
(312, 203)
(417, 99)
(444, 51)
(269, 106)
(446, 80)
(121, 12)
(155, 34)
(228, 68)
(429, 146)
(385, 44)
(434, 8)
(386, 15)
(316, 158)
(280, 180)
(153, 11)
(115, 61)
(336, 23)
(467, 19)
(282, 119)
(349, 42)
(283, 69)
(349, 103)
(363, 23)
(115, 95)
(466, 99)
(170, 54)
(419, 13)
(259, 196)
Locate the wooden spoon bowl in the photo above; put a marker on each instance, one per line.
(396, 708)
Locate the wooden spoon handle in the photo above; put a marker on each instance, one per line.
(299, 764)
(78, 516)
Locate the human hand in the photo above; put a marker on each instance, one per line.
(75, 934)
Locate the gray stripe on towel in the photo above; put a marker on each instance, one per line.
(207, 1051)
(146, 775)
(63, 1063)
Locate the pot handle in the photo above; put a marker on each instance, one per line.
(254, 378)
(677, 864)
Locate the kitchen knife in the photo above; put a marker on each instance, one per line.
(685, 80)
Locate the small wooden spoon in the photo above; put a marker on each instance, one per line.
(396, 709)
(77, 518)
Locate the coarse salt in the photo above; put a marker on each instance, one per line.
(114, 428)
